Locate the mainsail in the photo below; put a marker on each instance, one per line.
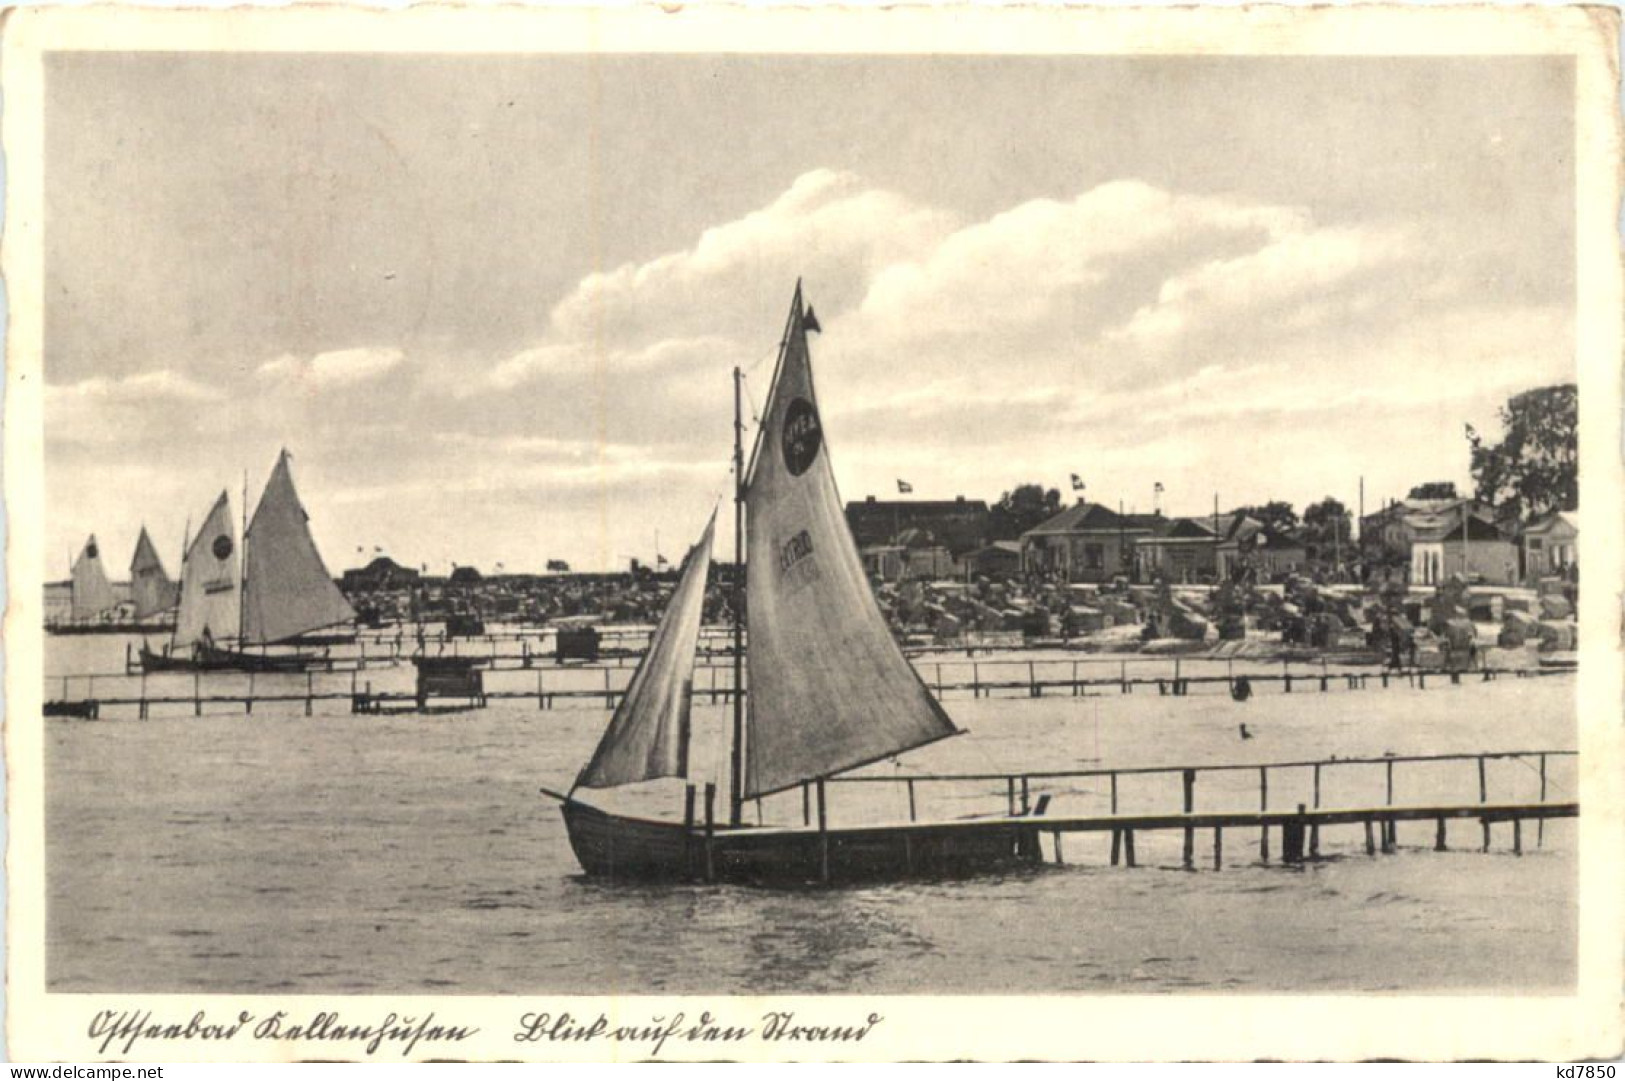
(648, 736)
(829, 689)
(286, 589)
(92, 595)
(210, 601)
(150, 586)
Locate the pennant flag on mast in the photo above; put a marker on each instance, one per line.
(1077, 483)
(904, 487)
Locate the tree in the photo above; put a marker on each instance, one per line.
(1535, 468)
(1326, 528)
(1434, 489)
(1277, 516)
(1021, 508)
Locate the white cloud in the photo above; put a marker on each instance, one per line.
(153, 386)
(336, 368)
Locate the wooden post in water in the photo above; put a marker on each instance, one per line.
(1189, 779)
(1218, 848)
(1314, 831)
(806, 804)
(248, 703)
(1128, 847)
(197, 694)
(688, 829)
(541, 700)
(1540, 824)
(1517, 836)
(1390, 828)
(1370, 839)
(1010, 796)
(911, 799)
(710, 830)
(142, 712)
(1114, 792)
(310, 691)
(609, 697)
(823, 836)
(1117, 846)
(1439, 844)
(1123, 676)
(1484, 797)
(1292, 833)
(1264, 805)
(1026, 805)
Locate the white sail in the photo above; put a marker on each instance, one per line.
(829, 688)
(150, 585)
(92, 595)
(648, 736)
(210, 600)
(286, 589)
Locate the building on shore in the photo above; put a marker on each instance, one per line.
(1467, 546)
(1086, 542)
(917, 538)
(1549, 547)
(382, 573)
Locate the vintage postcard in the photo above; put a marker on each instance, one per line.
(768, 533)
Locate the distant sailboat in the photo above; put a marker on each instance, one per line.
(150, 586)
(283, 592)
(92, 595)
(829, 691)
(287, 591)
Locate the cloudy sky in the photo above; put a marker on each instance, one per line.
(491, 304)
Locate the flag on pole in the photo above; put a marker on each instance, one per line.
(904, 487)
(1077, 483)
(809, 322)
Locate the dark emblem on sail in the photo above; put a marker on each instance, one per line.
(221, 547)
(802, 436)
(795, 549)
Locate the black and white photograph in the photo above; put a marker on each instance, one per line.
(671, 508)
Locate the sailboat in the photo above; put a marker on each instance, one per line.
(282, 593)
(92, 595)
(151, 589)
(829, 691)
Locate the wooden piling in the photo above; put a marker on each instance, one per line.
(710, 830)
(1010, 796)
(1540, 825)
(688, 829)
(1218, 848)
(1114, 792)
(806, 803)
(310, 692)
(1189, 778)
(1026, 806)
(197, 694)
(1264, 805)
(823, 836)
(1370, 839)
(1486, 824)
(1117, 846)
(1439, 838)
(1517, 836)
(911, 815)
(1128, 847)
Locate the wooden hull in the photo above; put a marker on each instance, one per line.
(629, 849)
(215, 659)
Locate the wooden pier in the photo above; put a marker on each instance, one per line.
(1029, 797)
(601, 686)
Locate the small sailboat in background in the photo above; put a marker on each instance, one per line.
(278, 592)
(93, 597)
(151, 589)
(829, 691)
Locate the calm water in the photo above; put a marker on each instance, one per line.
(345, 854)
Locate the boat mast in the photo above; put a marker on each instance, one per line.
(242, 576)
(737, 767)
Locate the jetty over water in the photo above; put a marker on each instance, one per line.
(1037, 836)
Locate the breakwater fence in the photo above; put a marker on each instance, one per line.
(600, 686)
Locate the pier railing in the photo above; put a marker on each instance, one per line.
(1041, 794)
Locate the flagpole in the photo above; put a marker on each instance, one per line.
(737, 764)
